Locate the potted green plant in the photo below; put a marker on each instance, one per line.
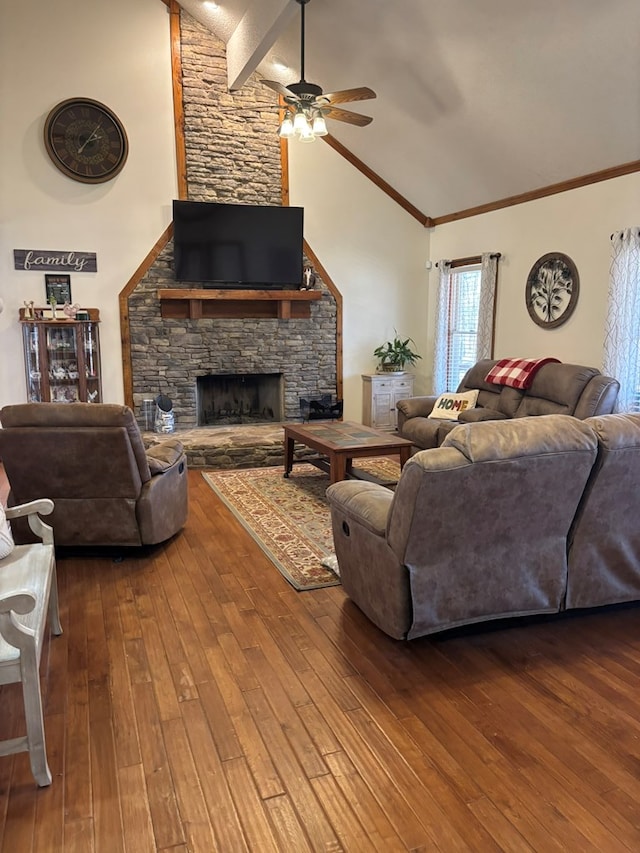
(394, 355)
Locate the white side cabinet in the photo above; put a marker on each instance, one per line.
(380, 393)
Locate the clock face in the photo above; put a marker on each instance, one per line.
(86, 140)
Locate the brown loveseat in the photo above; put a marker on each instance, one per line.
(557, 389)
(89, 458)
(525, 516)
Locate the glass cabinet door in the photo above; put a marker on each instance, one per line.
(91, 351)
(63, 364)
(33, 362)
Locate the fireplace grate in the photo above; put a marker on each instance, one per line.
(320, 407)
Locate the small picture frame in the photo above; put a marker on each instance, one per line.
(58, 287)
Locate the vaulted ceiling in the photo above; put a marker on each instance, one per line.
(477, 100)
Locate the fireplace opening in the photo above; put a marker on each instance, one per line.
(245, 398)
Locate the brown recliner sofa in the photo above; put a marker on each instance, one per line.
(89, 458)
(477, 529)
(557, 389)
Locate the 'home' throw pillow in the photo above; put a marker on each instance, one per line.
(6, 539)
(448, 406)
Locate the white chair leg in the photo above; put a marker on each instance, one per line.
(54, 613)
(34, 718)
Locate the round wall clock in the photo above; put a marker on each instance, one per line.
(86, 140)
(552, 290)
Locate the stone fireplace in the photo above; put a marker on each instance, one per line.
(170, 355)
(232, 154)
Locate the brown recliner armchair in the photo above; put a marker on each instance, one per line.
(89, 458)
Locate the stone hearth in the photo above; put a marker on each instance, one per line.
(259, 446)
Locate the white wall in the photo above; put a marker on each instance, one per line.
(374, 252)
(113, 51)
(579, 224)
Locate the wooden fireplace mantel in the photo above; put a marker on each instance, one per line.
(236, 304)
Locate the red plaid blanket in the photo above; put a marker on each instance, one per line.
(516, 372)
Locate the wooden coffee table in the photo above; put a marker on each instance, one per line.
(340, 443)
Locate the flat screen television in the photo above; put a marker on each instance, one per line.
(238, 245)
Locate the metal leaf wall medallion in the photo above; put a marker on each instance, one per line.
(552, 290)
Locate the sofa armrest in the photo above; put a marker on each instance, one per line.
(598, 398)
(164, 455)
(414, 407)
(163, 505)
(372, 574)
(366, 503)
(474, 416)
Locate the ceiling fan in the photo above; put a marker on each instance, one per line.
(308, 106)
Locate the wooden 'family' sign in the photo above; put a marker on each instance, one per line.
(47, 259)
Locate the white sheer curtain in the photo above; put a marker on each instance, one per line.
(442, 329)
(485, 320)
(622, 326)
(488, 283)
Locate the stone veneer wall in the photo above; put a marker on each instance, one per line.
(233, 155)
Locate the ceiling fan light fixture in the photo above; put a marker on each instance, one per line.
(286, 128)
(301, 122)
(319, 125)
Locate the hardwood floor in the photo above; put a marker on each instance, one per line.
(197, 702)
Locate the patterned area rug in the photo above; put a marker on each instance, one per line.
(290, 518)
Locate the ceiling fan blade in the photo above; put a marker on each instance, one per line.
(279, 88)
(363, 93)
(348, 116)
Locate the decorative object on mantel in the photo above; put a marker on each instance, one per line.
(308, 278)
(307, 106)
(552, 290)
(395, 354)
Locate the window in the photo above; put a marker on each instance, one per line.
(462, 334)
(465, 318)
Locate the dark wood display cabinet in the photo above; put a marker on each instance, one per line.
(62, 359)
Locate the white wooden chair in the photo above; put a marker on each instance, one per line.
(28, 593)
